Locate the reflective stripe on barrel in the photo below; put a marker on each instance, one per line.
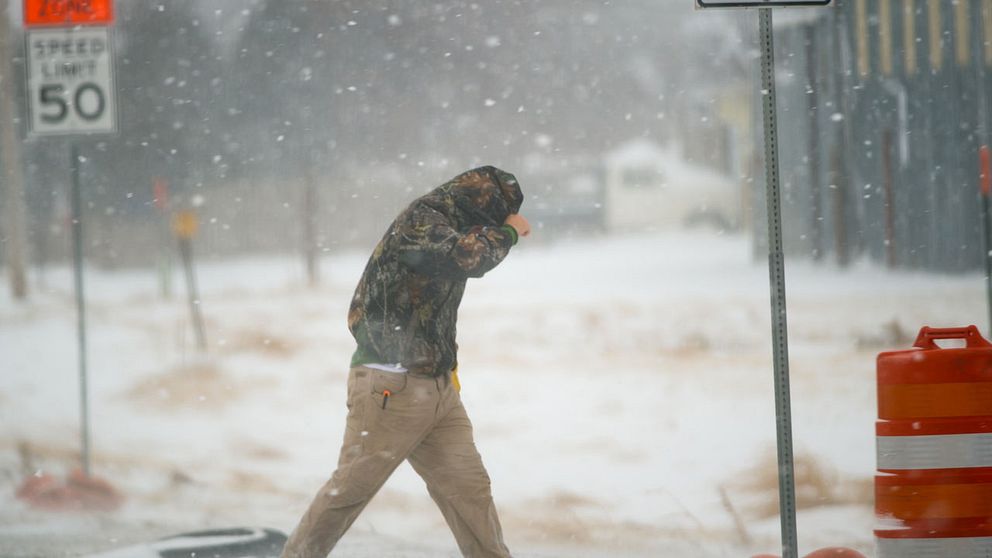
(961, 547)
(954, 451)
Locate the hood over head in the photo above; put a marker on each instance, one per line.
(481, 196)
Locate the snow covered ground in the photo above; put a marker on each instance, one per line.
(621, 391)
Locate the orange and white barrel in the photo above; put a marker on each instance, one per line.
(933, 490)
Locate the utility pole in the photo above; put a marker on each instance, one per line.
(12, 227)
(813, 108)
(983, 56)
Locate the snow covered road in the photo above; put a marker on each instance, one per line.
(621, 391)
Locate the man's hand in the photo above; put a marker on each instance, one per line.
(519, 224)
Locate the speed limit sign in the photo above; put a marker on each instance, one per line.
(70, 81)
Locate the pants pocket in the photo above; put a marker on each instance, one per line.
(392, 382)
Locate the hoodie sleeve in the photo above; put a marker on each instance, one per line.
(429, 244)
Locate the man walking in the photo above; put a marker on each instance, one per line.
(403, 400)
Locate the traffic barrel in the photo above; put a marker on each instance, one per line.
(933, 489)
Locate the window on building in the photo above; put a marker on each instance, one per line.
(642, 178)
(935, 26)
(987, 18)
(861, 22)
(885, 35)
(962, 34)
(909, 35)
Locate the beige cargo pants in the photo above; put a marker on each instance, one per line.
(392, 417)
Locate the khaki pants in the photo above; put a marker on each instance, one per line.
(424, 422)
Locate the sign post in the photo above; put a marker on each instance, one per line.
(185, 225)
(71, 92)
(776, 273)
(160, 193)
(77, 266)
(776, 262)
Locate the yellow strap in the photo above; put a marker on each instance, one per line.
(454, 379)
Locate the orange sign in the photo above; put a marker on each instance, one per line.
(68, 12)
(185, 224)
(160, 192)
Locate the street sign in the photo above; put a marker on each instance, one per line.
(71, 91)
(67, 12)
(70, 81)
(758, 3)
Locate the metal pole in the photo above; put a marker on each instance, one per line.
(192, 292)
(310, 249)
(983, 151)
(813, 106)
(776, 271)
(890, 203)
(987, 243)
(77, 258)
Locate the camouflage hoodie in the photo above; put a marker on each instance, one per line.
(406, 304)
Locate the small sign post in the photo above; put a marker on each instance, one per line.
(185, 225)
(71, 92)
(776, 262)
(160, 193)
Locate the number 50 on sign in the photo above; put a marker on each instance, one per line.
(70, 81)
